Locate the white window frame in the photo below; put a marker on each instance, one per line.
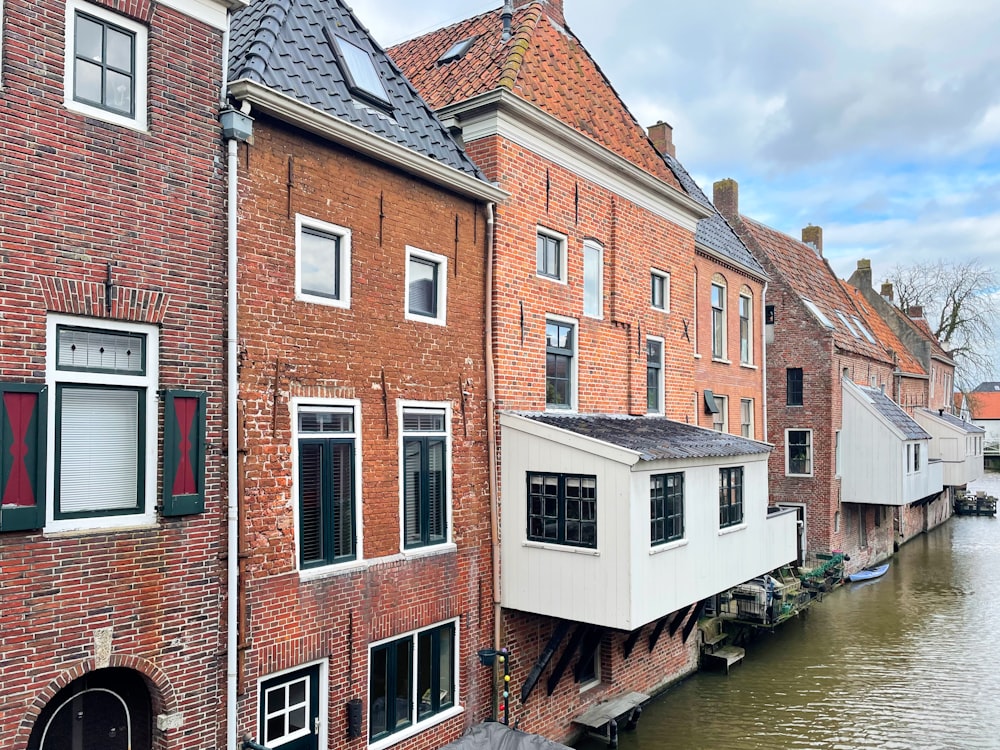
(295, 405)
(139, 120)
(323, 698)
(661, 405)
(743, 402)
(343, 235)
(574, 369)
(811, 457)
(593, 245)
(664, 279)
(418, 726)
(747, 296)
(694, 326)
(441, 288)
(722, 402)
(719, 322)
(150, 382)
(446, 406)
(562, 240)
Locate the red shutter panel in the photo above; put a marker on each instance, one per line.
(22, 456)
(183, 453)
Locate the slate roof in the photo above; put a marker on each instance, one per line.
(984, 404)
(715, 232)
(542, 63)
(810, 277)
(652, 437)
(892, 411)
(905, 360)
(987, 386)
(280, 44)
(955, 421)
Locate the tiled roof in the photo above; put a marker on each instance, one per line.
(984, 404)
(987, 386)
(811, 278)
(905, 360)
(544, 64)
(281, 44)
(714, 232)
(653, 437)
(956, 422)
(925, 330)
(894, 413)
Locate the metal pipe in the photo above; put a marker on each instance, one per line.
(491, 430)
(232, 527)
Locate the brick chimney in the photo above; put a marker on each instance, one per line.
(862, 277)
(726, 197)
(662, 136)
(552, 8)
(813, 236)
(916, 312)
(887, 291)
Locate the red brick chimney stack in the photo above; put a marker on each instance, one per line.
(552, 8)
(813, 236)
(916, 312)
(726, 197)
(662, 136)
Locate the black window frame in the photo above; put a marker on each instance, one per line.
(658, 290)
(424, 442)
(433, 312)
(351, 78)
(793, 386)
(338, 253)
(555, 354)
(104, 65)
(731, 500)
(666, 508)
(543, 241)
(800, 453)
(539, 509)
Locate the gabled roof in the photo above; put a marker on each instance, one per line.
(810, 277)
(924, 328)
(954, 421)
(984, 404)
(284, 45)
(892, 412)
(652, 437)
(905, 361)
(715, 232)
(542, 63)
(987, 386)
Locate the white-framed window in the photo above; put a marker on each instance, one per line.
(836, 453)
(718, 301)
(587, 672)
(413, 683)
(105, 71)
(654, 375)
(326, 463)
(550, 253)
(560, 362)
(659, 290)
(425, 472)
(291, 707)
(322, 262)
(102, 378)
(720, 419)
(746, 326)
(593, 279)
(694, 319)
(426, 286)
(798, 453)
(746, 417)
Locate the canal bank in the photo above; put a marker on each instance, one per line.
(907, 661)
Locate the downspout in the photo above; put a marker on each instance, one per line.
(491, 430)
(232, 388)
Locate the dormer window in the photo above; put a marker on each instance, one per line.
(457, 51)
(359, 70)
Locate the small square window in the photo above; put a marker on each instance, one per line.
(551, 255)
(659, 297)
(322, 262)
(562, 509)
(426, 286)
(289, 706)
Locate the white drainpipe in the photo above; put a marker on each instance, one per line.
(232, 459)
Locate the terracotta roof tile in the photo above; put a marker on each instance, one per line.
(905, 360)
(984, 404)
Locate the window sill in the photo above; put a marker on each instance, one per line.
(90, 526)
(799, 476)
(330, 571)
(438, 321)
(415, 553)
(722, 360)
(553, 279)
(590, 552)
(584, 687)
(667, 547)
(416, 729)
(344, 304)
(697, 356)
(748, 366)
(664, 310)
(733, 529)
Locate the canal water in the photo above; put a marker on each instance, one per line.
(907, 662)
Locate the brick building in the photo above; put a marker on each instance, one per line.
(111, 400)
(363, 237)
(619, 514)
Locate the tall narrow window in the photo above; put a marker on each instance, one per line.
(654, 375)
(559, 351)
(551, 255)
(593, 281)
(730, 496)
(718, 321)
(666, 507)
(425, 463)
(720, 419)
(916, 456)
(746, 417)
(746, 330)
(793, 386)
(326, 454)
(659, 295)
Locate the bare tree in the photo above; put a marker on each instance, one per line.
(961, 303)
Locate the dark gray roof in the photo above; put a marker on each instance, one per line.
(987, 387)
(892, 411)
(280, 44)
(715, 232)
(652, 437)
(495, 736)
(955, 421)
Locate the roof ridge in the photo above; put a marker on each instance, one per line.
(272, 15)
(520, 43)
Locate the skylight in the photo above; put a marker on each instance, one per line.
(457, 50)
(863, 330)
(359, 69)
(815, 311)
(847, 324)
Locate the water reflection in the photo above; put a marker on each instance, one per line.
(911, 660)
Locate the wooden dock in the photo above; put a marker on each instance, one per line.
(723, 657)
(978, 504)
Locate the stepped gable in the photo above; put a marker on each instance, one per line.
(281, 44)
(905, 360)
(811, 277)
(542, 63)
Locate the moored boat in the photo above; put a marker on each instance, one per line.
(876, 571)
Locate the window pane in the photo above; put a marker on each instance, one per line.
(656, 291)
(89, 82)
(311, 502)
(446, 666)
(362, 69)
(435, 490)
(423, 420)
(412, 456)
(423, 287)
(403, 692)
(88, 349)
(119, 50)
(319, 263)
(326, 421)
(89, 39)
(591, 281)
(118, 92)
(342, 475)
(378, 692)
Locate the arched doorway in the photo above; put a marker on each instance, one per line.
(109, 709)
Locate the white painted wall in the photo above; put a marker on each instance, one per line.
(962, 461)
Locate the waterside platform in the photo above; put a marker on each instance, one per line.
(975, 504)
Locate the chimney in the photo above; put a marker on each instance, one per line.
(726, 197)
(662, 136)
(551, 8)
(862, 278)
(887, 291)
(813, 236)
(916, 312)
(505, 16)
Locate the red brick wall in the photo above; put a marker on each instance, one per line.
(80, 194)
(368, 352)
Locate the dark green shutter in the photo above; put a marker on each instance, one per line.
(183, 453)
(22, 456)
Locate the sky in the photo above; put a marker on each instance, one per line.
(878, 120)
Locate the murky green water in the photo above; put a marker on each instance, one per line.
(909, 662)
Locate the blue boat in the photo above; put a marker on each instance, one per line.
(868, 574)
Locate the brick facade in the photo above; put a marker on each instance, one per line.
(83, 196)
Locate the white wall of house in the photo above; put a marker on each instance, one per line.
(959, 450)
